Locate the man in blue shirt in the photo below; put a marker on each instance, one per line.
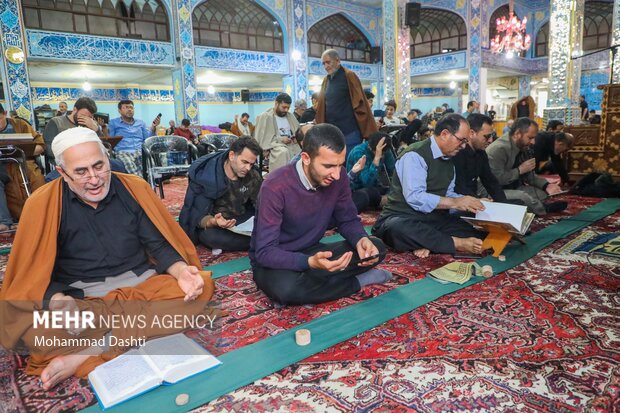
(417, 215)
(134, 133)
(472, 107)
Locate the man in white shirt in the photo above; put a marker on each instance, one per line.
(389, 118)
(275, 132)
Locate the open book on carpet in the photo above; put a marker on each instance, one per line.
(166, 360)
(513, 218)
(245, 228)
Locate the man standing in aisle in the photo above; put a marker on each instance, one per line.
(343, 102)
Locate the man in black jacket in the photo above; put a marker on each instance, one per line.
(222, 192)
(472, 164)
(548, 150)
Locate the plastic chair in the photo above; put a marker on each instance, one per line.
(11, 153)
(217, 141)
(164, 157)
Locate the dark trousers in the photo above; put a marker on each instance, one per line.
(366, 198)
(433, 231)
(218, 238)
(314, 286)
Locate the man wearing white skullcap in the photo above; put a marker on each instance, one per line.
(98, 235)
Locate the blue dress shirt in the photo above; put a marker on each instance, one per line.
(134, 134)
(412, 172)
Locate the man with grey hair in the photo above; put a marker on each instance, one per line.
(343, 102)
(300, 108)
(101, 236)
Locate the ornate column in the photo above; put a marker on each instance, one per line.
(565, 41)
(615, 40)
(184, 72)
(298, 57)
(396, 54)
(15, 71)
(478, 24)
(524, 86)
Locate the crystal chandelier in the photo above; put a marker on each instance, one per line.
(511, 37)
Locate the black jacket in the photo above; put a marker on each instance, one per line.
(544, 150)
(470, 165)
(207, 182)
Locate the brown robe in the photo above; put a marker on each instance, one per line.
(531, 107)
(28, 274)
(235, 129)
(14, 190)
(361, 107)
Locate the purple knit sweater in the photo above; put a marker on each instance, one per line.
(290, 218)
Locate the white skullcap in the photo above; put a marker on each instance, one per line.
(71, 137)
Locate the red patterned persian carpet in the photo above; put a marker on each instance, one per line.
(544, 336)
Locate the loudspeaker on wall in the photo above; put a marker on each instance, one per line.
(245, 95)
(412, 14)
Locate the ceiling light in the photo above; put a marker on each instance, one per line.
(453, 85)
(212, 79)
(511, 36)
(211, 90)
(87, 86)
(296, 54)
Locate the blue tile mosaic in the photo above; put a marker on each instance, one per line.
(364, 71)
(67, 46)
(439, 63)
(241, 60)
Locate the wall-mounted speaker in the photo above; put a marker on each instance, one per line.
(245, 95)
(375, 54)
(412, 14)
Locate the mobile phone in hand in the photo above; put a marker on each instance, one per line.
(362, 260)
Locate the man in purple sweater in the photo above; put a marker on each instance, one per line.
(295, 205)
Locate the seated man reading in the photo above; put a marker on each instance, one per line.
(103, 241)
(417, 217)
(295, 206)
(548, 150)
(512, 165)
(222, 192)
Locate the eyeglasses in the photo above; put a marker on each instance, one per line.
(463, 141)
(83, 178)
(490, 135)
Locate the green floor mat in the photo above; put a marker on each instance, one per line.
(250, 363)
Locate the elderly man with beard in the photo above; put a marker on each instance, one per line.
(343, 102)
(222, 192)
(101, 239)
(296, 204)
(275, 132)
